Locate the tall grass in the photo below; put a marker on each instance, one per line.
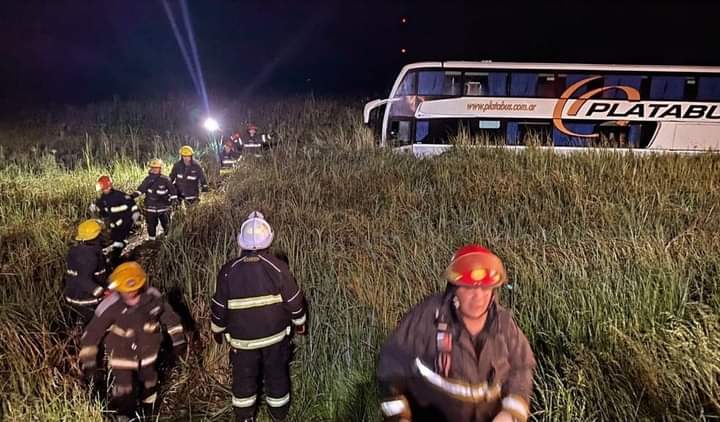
(613, 261)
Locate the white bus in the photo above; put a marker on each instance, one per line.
(563, 106)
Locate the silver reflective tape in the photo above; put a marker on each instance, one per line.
(119, 208)
(278, 402)
(393, 407)
(244, 401)
(254, 302)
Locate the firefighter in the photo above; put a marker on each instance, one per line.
(129, 323)
(253, 142)
(256, 303)
(459, 356)
(188, 177)
(160, 195)
(229, 153)
(119, 211)
(85, 276)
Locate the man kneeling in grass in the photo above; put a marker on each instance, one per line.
(459, 356)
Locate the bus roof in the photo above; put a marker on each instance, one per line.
(563, 67)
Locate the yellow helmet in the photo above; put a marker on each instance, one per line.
(155, 163)
(186, 151)
(127, 277)
(88, 230)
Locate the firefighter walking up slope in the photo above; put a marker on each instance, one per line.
(85, 276)
(130, 324)
(256, 303)
(188, 177)
(160, 195)
(119, 211)
(459, 356)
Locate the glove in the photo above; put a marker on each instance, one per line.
(218, 337)
(301, 330)
(136, 216)
(93, 208)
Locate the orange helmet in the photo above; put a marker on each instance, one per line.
(475, 266)
(103, 182)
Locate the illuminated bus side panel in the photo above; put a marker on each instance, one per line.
(632, 106)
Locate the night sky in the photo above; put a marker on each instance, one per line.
(76, 51)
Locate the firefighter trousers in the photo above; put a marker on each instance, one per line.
(119, 234)
(273, 362)
(155, 218)
(124, 396)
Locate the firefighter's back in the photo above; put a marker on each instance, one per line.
(254, 300)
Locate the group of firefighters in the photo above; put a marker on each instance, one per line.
(457, 356)
(252, 143)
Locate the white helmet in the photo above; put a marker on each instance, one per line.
(255, 233)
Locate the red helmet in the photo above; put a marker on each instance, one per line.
(235, 136)
(251, 126)
(475, 266)
(103, 182)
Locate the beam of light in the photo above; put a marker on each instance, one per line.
(193, 48)
(211, 125)
(183, 48)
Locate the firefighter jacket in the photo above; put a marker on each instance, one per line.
(485, 375)
(85, 276)
(256, 301)
(132, 335)
(228, 158)
(188, 180)
(116, 208)
(255, 144)
(159, 191)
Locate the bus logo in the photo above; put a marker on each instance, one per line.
(575, 104)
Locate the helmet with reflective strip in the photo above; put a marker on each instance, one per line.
(186, 151)
(255, 233)
(475, 266)
(156, 163)
(88, 230)
(103, 182)
(127, 277)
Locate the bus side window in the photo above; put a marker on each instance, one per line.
(422, 130)
(439, 83)
(667, 87)
(399, 132)
(708, 88)
(549, 85)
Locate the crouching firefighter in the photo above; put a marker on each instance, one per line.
(85, 276)
(160, 195)
(119, 211)
(459, 356)
(188, 177)
(256, 303)
(129, 323)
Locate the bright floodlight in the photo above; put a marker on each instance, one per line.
(211, 124)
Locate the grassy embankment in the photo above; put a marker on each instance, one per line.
(614, 262)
